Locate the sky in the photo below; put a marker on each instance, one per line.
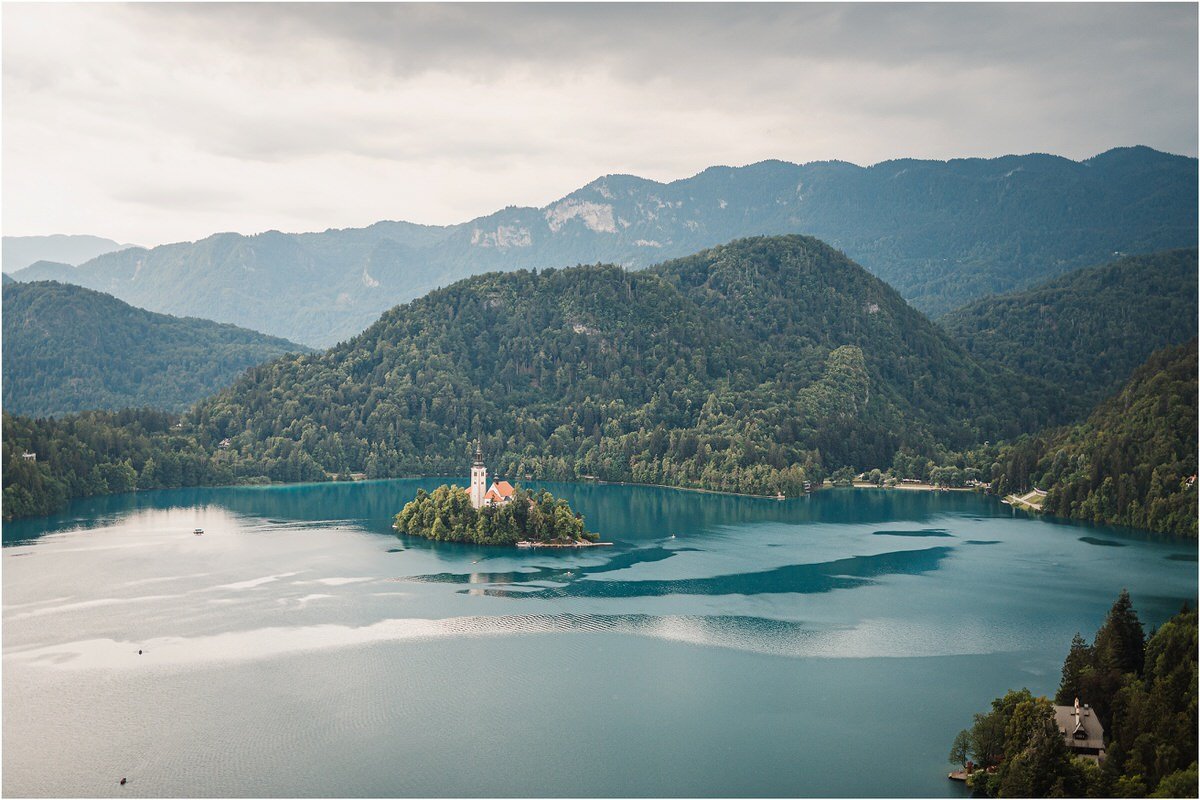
(152, 123)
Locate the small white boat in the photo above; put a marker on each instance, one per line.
(524, 544)
(198, 531)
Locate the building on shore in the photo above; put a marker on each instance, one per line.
(1081, 730)
(500, 493)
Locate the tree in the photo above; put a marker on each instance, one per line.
(1076, 668)
(1120, 643)
(960, 751)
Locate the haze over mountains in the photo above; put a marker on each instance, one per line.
(941, 233)
(21, 251)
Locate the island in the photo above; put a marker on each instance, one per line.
(525, 519)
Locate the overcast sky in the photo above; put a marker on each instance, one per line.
(165, 122)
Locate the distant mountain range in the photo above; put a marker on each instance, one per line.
(21, 251)
(1087, 331)
(71, 349)
(942, 233)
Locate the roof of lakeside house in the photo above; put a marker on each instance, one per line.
(1071, 719)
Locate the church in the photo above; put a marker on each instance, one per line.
(500, 493)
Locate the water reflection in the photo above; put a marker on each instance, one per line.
(842, 573)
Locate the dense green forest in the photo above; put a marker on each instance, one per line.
(1086, 332)
(446, 515)
(49, 461)
(750, 367)
(1133, 462)
(941, 232)
(69, 349)
(1144, 693)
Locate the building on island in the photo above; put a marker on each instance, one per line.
(500, 493)
(1081, 730)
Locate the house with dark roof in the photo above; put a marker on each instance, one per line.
(1081, 730)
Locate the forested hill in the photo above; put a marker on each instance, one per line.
(69, 349)
(1086, 332)
(1133, 462)
(942, 232)
(749, 367)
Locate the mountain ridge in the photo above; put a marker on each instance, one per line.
(73, 249)
(658, 376)
(942, 232)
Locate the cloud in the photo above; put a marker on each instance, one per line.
(150, 122)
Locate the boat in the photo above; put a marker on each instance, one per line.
(524, 544)
(198, 531)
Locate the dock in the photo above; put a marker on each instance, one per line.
(563, 544)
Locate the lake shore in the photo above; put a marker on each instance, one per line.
(916, 487)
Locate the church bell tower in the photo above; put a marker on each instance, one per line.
(478, 478)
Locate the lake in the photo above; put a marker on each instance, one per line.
(724, 646)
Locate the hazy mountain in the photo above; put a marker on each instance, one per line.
(745, 367)
(1087, 331)
(21, 251)
(69, 349)
(1133, 462)
(942, 233)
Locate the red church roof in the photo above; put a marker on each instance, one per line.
(500, 492)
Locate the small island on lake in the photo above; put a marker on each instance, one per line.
(500, 514)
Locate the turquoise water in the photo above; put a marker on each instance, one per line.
(724, 646)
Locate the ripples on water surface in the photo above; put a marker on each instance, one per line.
(724, 646)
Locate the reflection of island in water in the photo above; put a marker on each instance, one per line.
(815, 578)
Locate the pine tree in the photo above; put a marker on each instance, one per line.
(1078, 664)
(1120, 643)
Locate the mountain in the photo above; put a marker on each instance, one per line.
(68, 349)
(21, 251)
(1133, 462)
(749, 367)
(942, 232)
(1087, 331)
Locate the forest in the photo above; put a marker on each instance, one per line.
(1087, 330)
(69, 349)
(1132, 462)
(1143, 691)
(446, 515)
(751, 367)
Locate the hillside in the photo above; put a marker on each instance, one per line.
(942, 233)
(68, 349)
(1087, 331)
(21, 251)
(1131, 462)
(750, 367)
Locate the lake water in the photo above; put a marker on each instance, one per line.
(725, 646)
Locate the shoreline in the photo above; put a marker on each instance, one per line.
(918, 487)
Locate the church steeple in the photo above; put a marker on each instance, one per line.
(478, 477)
